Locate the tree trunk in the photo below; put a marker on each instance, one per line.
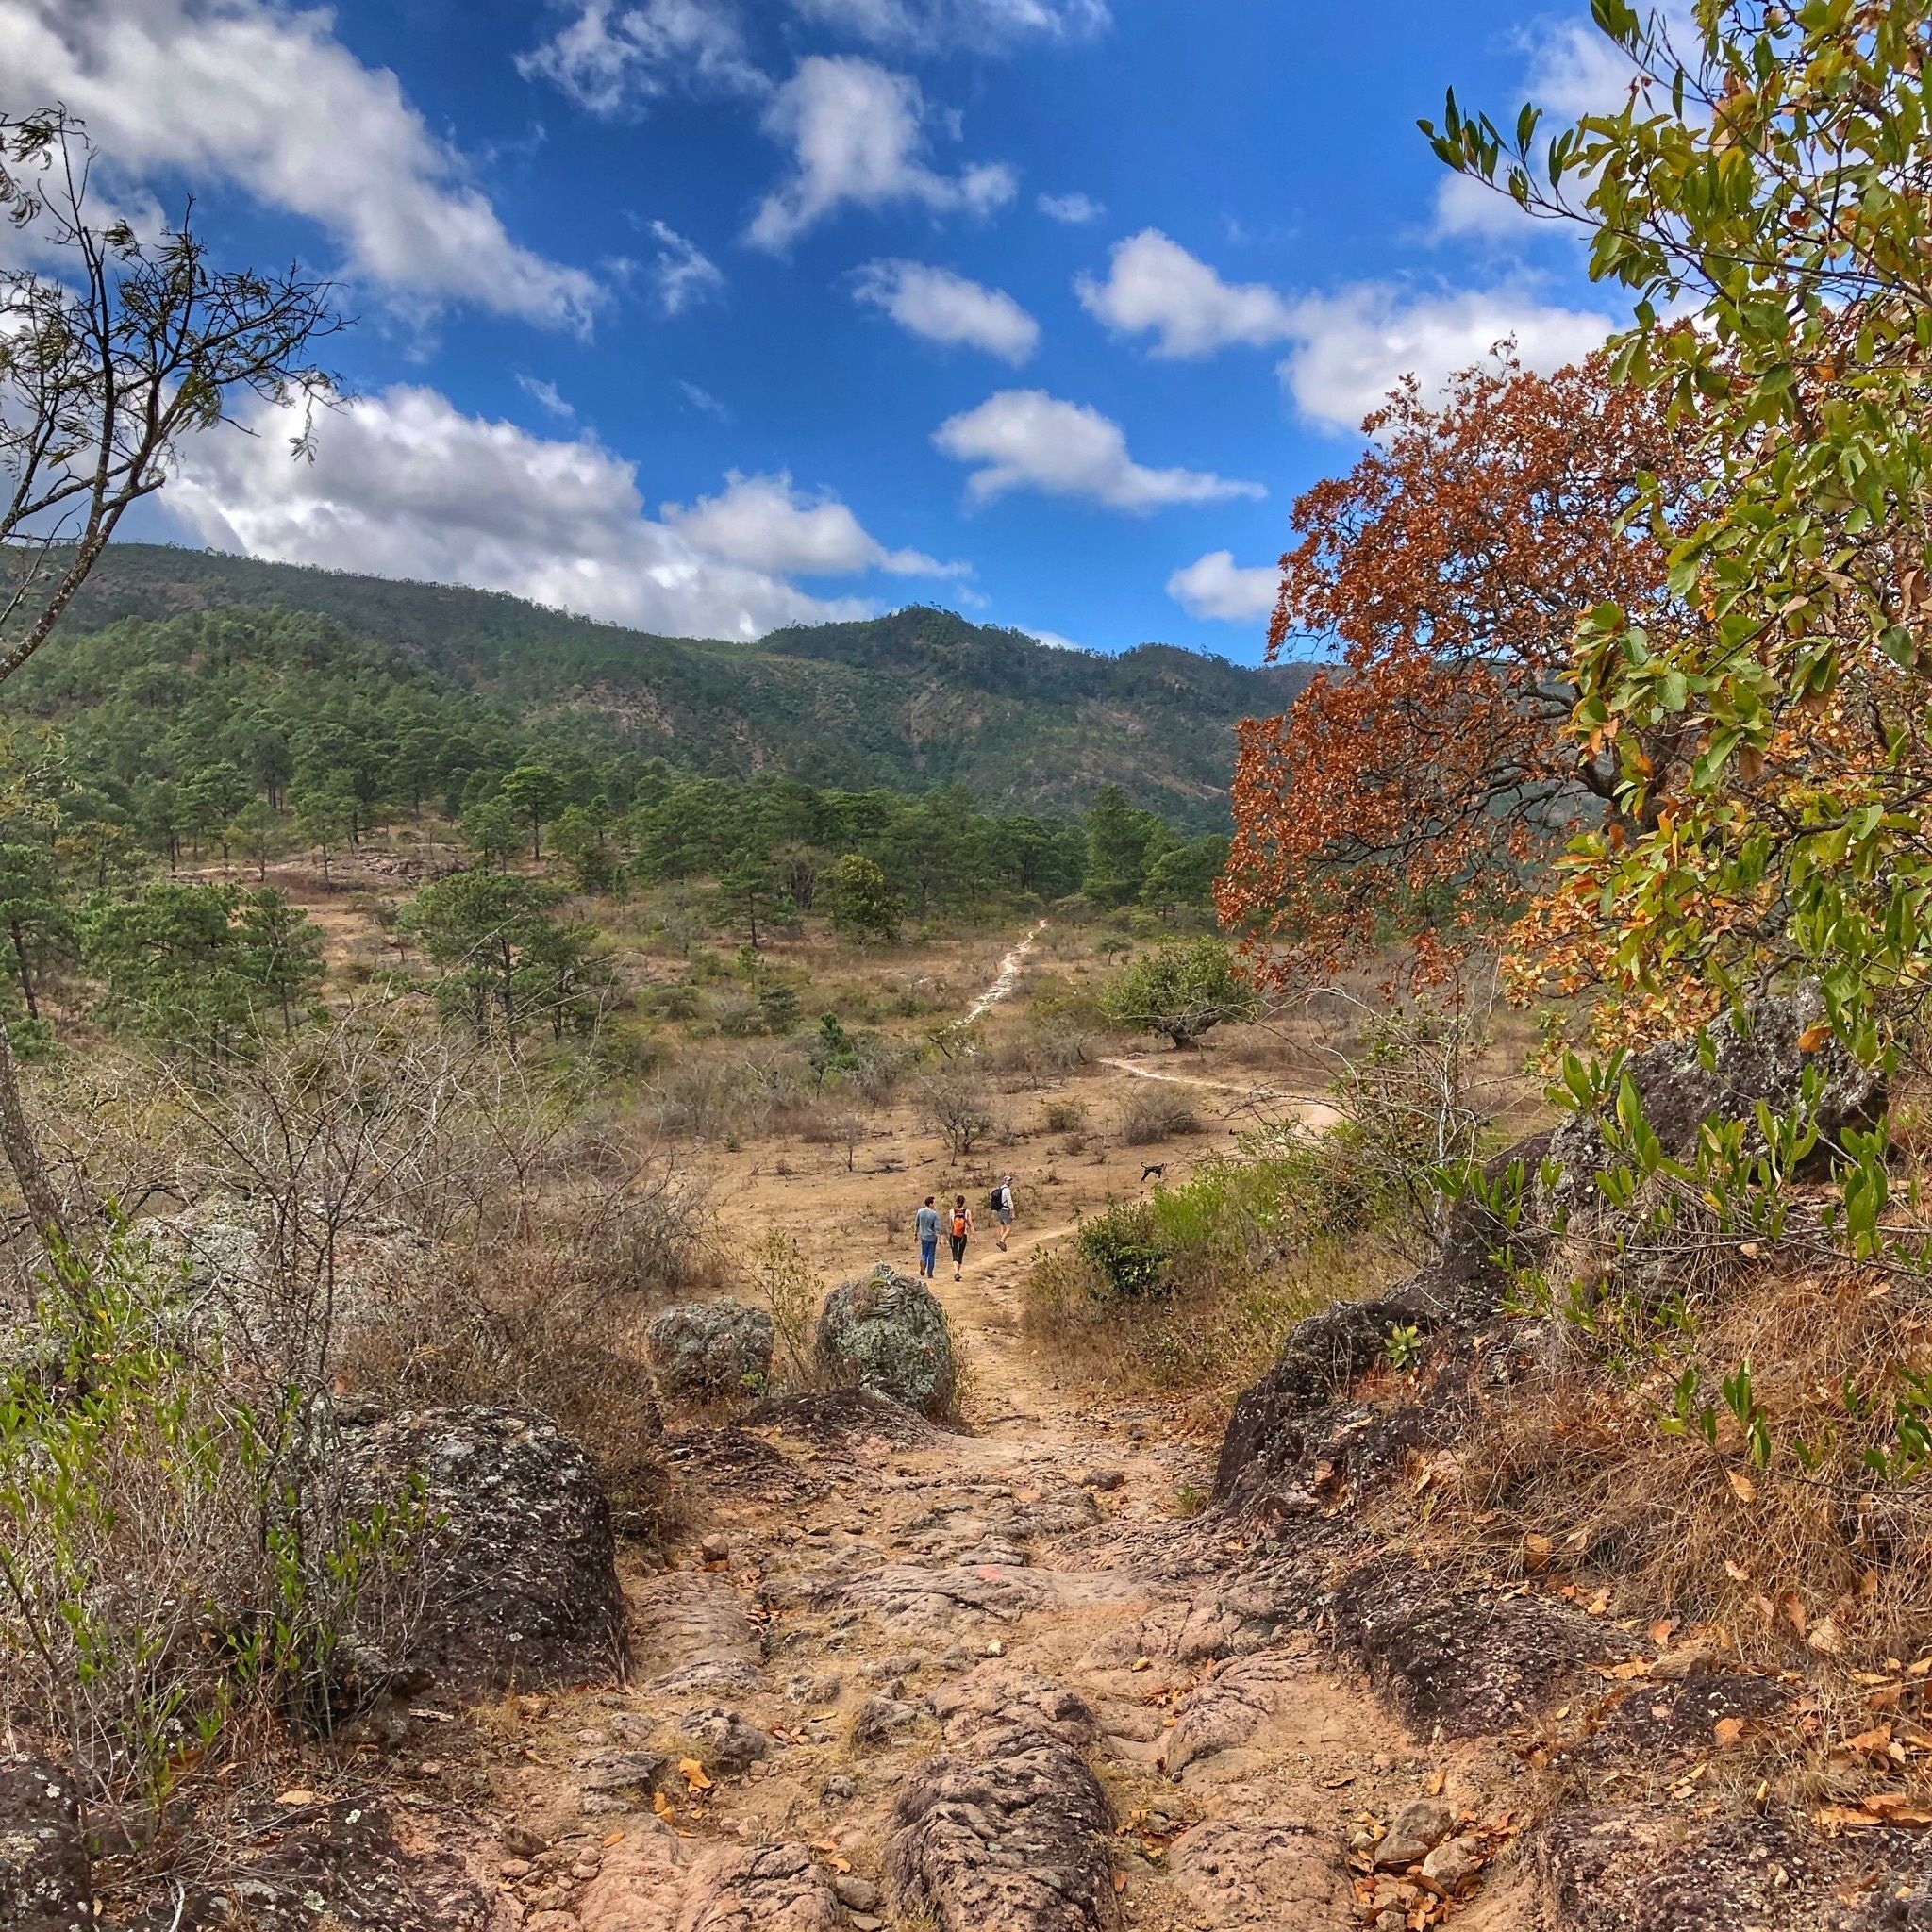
(27, 978)
(24, 1156)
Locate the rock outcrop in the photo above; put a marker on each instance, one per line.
(44, 1862)
(1014, 1835)
(1760, 1055)
(888, 1333)
(521, 1584)
(712, 1351)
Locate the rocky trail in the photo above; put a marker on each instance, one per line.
(1007, 1673)
(979, 1677)
(983, 1677)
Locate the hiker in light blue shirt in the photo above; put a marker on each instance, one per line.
(928, 1221)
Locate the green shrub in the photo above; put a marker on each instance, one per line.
(176, 1561)
(1125, 1244)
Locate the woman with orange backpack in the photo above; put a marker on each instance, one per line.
(959, 1231)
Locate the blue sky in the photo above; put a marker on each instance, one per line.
(711, 315)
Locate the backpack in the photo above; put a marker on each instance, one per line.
(996, 1200)
(960, 1223)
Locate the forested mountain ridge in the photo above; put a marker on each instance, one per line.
(912, 701)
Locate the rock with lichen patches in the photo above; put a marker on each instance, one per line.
(888, 1333)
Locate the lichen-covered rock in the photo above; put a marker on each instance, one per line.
(1760, 1055)
(709, 1351)
(1014, 1837)
(43, 1863)
(521, 1584)
(888, 1332)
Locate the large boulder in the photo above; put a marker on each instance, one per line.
(44, 1861)
(888, 1332)
(705, 1351)
(1773, 1052)
(521, 1577)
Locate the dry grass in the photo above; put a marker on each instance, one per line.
(1830, 1559)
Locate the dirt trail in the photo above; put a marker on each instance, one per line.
(1009, 977)
(977, 1680)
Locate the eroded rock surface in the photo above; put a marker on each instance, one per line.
(1012, 1835)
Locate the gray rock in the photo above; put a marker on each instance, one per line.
(862, 1894)
(879, 1718)
(520, 1561)
(611, 1773)
(44, 1862)
(1413, 1833)
(725, 1740)
(1450, 1864)
(888, 1333)
(709, 1351)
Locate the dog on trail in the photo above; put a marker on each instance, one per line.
(1158, 1173)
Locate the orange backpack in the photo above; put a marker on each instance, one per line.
(959, 1224)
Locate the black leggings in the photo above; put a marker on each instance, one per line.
(958, 1245)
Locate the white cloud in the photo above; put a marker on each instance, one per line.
(269, 99)
(1353, 347)
(703, 399)
(683, 274)
(1074, 210)
(1153, 286)
(405, 485)
(1468, 208)
(858, 133)
(765, 522)
(1216, 586)
(1023, 439)
(984, 26)
(546, 396)
(608, 58)
(1054, 641)
(947, 307)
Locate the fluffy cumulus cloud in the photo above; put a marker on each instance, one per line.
(1155, 287)
(947, 307)
(766, 524)
(405, 483)
(302, 125)
(612, 58)
(859, 133)
(1216, 586)
(1023, 439)
(1353, 347)
(1075, 209)
(984, 26)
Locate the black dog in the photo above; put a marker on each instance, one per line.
(1159, 1173)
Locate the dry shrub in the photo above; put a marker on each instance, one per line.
(1192, 1290)
(183, 1579)
(1701, 1532)
(1159, 1113)
(1065, 1116)
(778, 1270)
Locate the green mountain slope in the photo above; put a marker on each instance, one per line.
(912, 701)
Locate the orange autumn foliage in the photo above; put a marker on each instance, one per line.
(1417, 794)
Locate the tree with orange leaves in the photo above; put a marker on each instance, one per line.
(1417, 796)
